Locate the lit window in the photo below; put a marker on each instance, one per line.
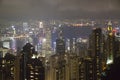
(31, 72)
(36, 73)
(31, 76)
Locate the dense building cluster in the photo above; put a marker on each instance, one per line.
(76, 59)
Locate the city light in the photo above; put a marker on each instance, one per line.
(109, 61)
(44, 40)
(59, 39)
(66, 50)
(40, 24)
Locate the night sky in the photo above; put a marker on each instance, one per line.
(59, 9)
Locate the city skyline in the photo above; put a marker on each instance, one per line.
(26, 52)
(59, 39)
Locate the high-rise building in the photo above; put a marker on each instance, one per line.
(45, 39)
(48, 41)
(35, 70)
(25, 26)
(110, 44)
(31, 68)
(7, 67)
(68, 46)
(60, 44)
(96, 53)
(86, 69)
(17, 68)
(74, 67)
(73, 45)
(81, 47)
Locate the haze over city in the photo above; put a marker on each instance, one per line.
(59, 9)
(59, 39)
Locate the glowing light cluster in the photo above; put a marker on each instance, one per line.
(109, 61)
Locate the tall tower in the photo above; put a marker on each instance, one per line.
(68, 45)
(25, 26)
(46, 42)
(95, 47)
(73, 45)
(45, 39)
(60, 44)
(110, 43)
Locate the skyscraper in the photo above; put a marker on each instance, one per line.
(31, 68)
(60, 44)
(45, 39)
(110, 42)
(95, 46)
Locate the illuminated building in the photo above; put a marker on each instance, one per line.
(40, 24)
(110, 48)
(68, 46)
(117, 32)
(51, 69)
(63, 67)
(35, 70)
(116, 43)
(41, 39)
(110, 41)
(74, 67)
(113, 56)
(86, 70)
(60, 44)
(112, 45)
(45, 39)
(17, 68)
(7, 67)
(14, 43)
(81, 47)
(54, 47)
(61, 70)
(14, 30)
(58, 68)
(73, 45)
(81, 69)
(95, 45)
(109, 28)
(3, 51)
(31, 67)
(116, 49)
(25, 26)
(26, 54)
(48, 42)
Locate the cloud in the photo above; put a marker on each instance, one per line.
(54, 8)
